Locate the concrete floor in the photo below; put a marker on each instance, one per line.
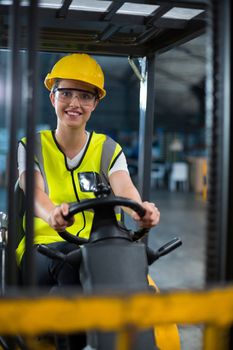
(183, 215)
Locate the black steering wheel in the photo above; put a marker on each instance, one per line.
(103, 206)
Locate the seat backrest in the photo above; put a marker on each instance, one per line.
(158, 170)
(179, 171)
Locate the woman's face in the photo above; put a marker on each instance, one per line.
(74, 101)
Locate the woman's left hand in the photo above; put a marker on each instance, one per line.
(151, 217)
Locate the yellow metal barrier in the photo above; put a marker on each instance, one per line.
(36, 315)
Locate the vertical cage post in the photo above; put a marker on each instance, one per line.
(31, 122)
(146, 127)
(219, 261)
(14, 111)
(227, 137)
(218, 139)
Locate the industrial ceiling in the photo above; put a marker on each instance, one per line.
(173, 30)
(135, 28)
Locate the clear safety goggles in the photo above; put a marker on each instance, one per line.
(66, 95)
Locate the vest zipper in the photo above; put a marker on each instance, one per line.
(78, 200)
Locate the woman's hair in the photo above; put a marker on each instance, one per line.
(55, 85)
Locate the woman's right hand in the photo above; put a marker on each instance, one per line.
(56, 217)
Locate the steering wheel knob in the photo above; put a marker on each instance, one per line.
(101, 190)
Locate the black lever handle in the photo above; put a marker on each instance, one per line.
(72, 238)
(164, 250)
(51, 253)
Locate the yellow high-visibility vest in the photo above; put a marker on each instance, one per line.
(70, 185)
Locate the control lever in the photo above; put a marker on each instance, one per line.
(152, 255)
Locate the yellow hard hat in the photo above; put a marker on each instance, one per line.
(77, 66)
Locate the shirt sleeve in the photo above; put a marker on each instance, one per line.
(120, 164)
(22, 159)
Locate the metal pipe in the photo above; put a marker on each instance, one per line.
(3, 265)
(31, 121)
(14, 111)
(227, 163)
(218, 142)
(146, 125)
(3, 242)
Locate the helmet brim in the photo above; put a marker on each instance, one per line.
(49, 82)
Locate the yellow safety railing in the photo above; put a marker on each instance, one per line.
(38, 315)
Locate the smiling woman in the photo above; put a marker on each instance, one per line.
(118, 29)
(70, 162)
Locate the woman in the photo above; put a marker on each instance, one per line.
(69, 162)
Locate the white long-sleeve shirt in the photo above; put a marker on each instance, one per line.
(120, 164)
